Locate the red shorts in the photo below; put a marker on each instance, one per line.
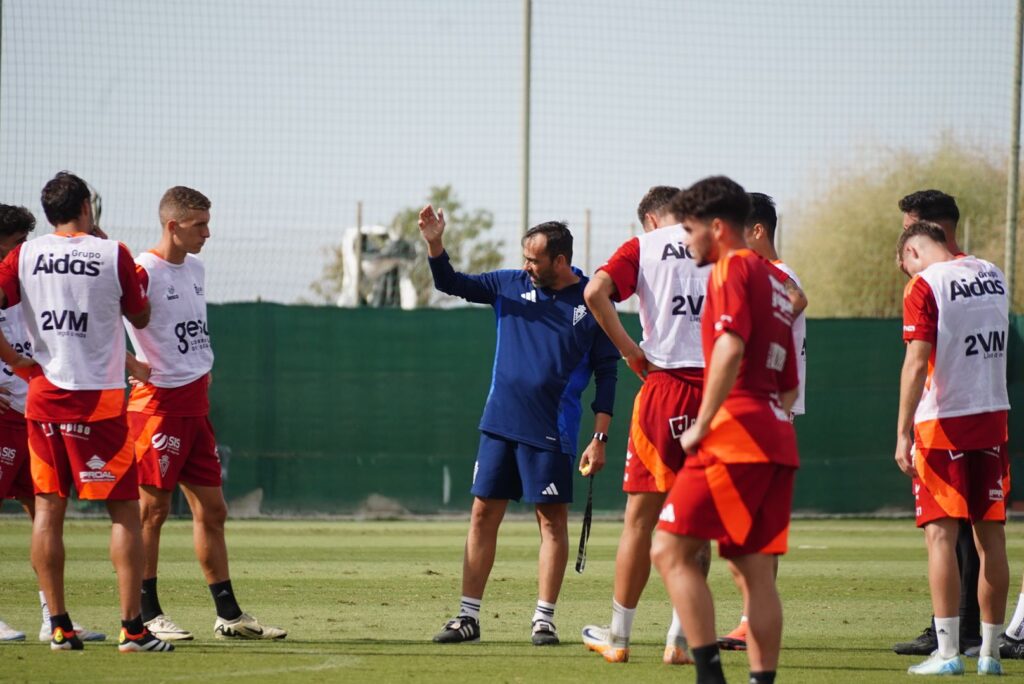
(97, 457)
(744, 506)
(665, 406)
(172, 449)
(15, 474)
(972, 485)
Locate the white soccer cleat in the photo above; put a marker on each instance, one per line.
(937, 665)
(245, 627)
(988, 665)
(8, 633)
(599, 640)
(46, 634)
(163, 628)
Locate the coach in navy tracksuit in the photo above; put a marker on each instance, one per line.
(548, 346)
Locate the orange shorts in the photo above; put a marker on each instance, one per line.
(96, 457)
(745, 507)
(972, 485)
(170, 449)
(665, 406)
(15, 477)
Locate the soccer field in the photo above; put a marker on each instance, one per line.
(362, 599)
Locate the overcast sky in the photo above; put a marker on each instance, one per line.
(288, 113)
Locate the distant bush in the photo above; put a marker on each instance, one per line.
(842, 242)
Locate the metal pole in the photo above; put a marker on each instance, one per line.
(358, 275)
(1013, 173)
(586, 236)
(524, 200)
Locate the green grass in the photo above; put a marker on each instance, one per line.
(361, 601)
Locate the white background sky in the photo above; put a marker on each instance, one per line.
(288, 113)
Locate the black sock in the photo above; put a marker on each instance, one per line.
(134, 626)
(63, 621)
(709, 665)
(224, 597)
(970, 570)
(150, 601)
(766, 677)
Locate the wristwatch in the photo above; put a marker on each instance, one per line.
(601, 437)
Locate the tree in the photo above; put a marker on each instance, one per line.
(463, 240)
(843, 241)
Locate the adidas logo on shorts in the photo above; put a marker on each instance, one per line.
(550, 490)
(668, 514)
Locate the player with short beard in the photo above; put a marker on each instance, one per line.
(548, 347)
(736, 485)
(168, 415)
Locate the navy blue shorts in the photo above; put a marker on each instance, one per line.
(506, 469)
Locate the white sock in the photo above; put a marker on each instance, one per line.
(544, 611)
(470, 607)
(46, 609)
(622, 624)
(1015, 630)
(990, 640)
(675, 637)
(947, 630)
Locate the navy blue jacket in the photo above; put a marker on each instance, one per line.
(547, 348)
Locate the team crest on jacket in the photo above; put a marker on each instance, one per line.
(579, 313)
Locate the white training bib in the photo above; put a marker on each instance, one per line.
(13, 326)
(672, 290)
(71, 302)
(969, 375)
(799, 344)
(176, 343)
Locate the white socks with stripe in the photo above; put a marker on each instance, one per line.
(470, 607)
(544, 611)
(1015, 630)
(947, 632)
(622, 625)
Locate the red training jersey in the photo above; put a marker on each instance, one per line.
(746, 297)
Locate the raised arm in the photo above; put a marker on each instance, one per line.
(479, 289)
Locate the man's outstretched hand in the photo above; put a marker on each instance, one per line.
(432, 228)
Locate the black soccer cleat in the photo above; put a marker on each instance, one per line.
(1010, 648)
(459, 630)
(65, 641)
(922, 645)
(544, 633)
